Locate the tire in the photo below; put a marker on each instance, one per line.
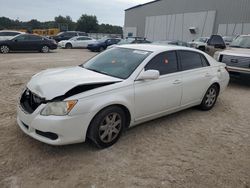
(210, 98)
(107, 126)
(4, 49)
(68, 46)
(45, 49)
(101, 49)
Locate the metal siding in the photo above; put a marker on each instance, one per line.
(227, 12)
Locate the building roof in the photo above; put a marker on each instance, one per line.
(140, 5)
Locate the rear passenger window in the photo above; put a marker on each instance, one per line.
(190, 60)
(165, 63)
(204, 61)
(12, 33)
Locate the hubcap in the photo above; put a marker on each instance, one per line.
(210, 97)
(45, 49)
(110, 127)
(4, 49)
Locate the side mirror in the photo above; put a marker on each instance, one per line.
(149, 75)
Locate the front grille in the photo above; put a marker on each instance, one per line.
(30, 101)
(236, 61)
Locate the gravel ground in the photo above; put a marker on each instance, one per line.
(187, 149)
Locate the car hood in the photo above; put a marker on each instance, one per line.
(237, 52)
(52, 83)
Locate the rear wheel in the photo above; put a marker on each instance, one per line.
(107, 126)
(45, 49)
(210, 98)
(68, 46)
(4, 49)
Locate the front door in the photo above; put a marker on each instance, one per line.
(153, 97)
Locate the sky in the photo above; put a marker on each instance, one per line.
(107, 11)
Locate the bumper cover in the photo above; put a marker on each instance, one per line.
(69, 129)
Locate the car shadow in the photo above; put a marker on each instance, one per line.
(242, 80)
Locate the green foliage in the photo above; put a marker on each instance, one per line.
(65, 23)
(86, 23)
(107, 28)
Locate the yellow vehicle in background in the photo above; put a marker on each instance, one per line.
(46, 32)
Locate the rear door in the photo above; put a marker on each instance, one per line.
(82, 42)
(34, 42)
(153, 97)
(196, 76)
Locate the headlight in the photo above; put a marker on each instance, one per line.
(58, 108)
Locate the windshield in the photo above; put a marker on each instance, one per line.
(202, 39)
(102, 39)
(117, 62)
(241, 42)
(125, 41)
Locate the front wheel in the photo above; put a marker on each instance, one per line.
(45, 49)
(4, 49)
(68, 46)
(107, 126)
(210, 98)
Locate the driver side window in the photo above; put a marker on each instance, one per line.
(165, 63)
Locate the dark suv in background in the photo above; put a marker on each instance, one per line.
(68, 35)
(215, 43)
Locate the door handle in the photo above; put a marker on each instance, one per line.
(177, 82)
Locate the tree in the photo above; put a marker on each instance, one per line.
(34, 24)
(87, 23)
(65, 23)
(111, 29)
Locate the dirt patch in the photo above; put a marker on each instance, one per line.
(187, 149)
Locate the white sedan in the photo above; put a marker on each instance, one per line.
(118, 89)
(76, 42)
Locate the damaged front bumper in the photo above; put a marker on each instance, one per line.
(53, 130)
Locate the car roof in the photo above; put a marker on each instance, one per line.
(156, 48)
(11, 31)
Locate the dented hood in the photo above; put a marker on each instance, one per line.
(52, 83)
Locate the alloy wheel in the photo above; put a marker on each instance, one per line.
(211, 97)
(110, 127)
(45, 49)
(4, 49)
